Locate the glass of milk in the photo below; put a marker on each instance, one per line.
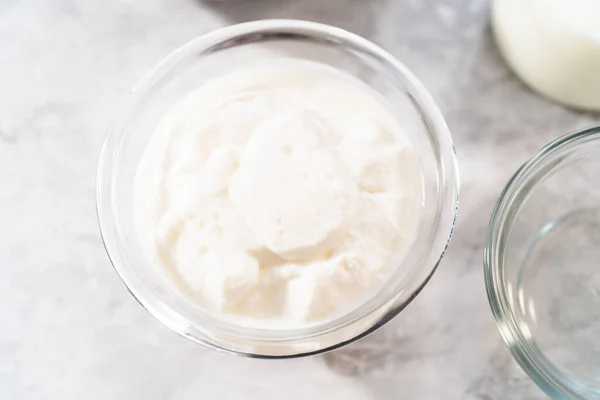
(553, 46)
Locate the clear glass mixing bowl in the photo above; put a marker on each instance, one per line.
(232, 48)
(542, 266)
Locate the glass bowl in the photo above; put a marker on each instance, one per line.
(542, 266)
(233, 48)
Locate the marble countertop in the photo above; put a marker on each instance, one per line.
(68, 327)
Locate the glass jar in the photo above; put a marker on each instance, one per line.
(542, 266)
(232, 48)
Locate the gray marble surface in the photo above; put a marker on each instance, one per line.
(68, 327)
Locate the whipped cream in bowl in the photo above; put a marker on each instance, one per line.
(277, 188)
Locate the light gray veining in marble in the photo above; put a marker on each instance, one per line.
(68, 327)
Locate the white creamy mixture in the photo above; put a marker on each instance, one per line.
(279, 194)
(554, 46)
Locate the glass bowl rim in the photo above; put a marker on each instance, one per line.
(206, 43)
(546, 376)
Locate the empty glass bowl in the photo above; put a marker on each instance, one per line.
(542, 266)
